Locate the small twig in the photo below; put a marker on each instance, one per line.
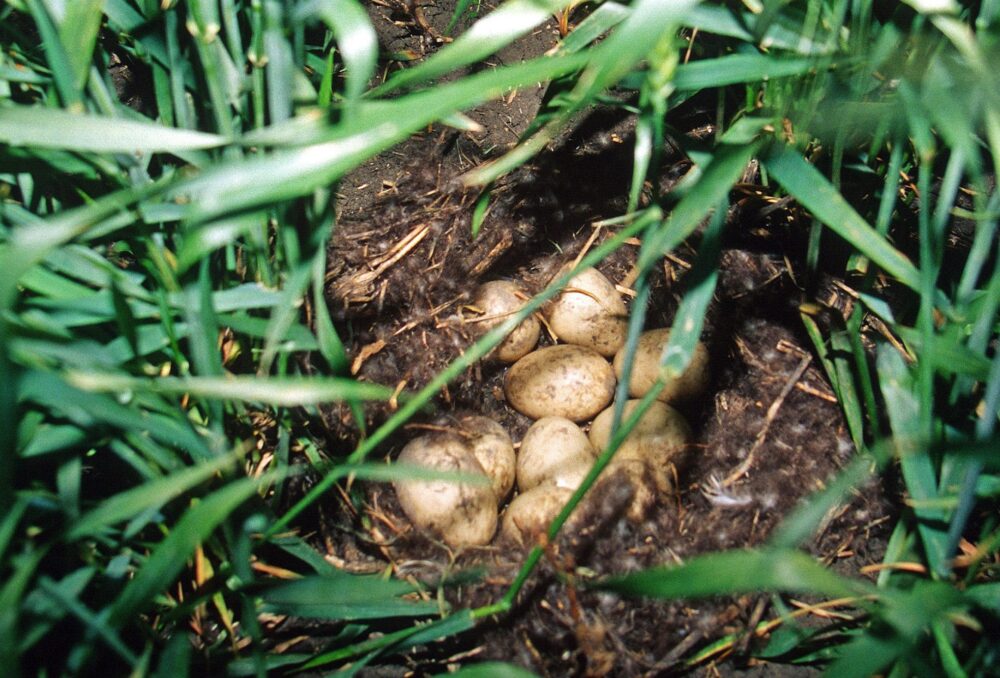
(772, 412)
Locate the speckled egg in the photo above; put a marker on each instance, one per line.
(560, 381)
(589, 312)
(646, 369)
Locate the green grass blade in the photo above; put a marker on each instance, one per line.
(606, 16)
(355, 37)
(288, 174)
(328, 340)
(8, 526)
(738, 68)
(866, 656)
(93, 622)
(700, 285)
(280, 392)
(736, 572)
(805, 183)
(21, 572)
(801, 525)
(132, 502)
(88, 409)
(41, 613)
(631, 42)
(908, 427)
(40, 127)
(711, 188)
(499, 28)
(63, 73)
(78, 32)
(169, 557)
(341, 596)
(397, 641)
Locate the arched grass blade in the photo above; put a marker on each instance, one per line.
(738, 68)
(87, 409)
(288, 174)
(604, 18)
(499, 28)
(630, 42)
(355, 37)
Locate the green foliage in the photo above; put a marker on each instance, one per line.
(154, 263)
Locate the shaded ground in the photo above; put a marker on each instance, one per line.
(404, 262)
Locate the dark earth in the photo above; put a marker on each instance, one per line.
(402, 264)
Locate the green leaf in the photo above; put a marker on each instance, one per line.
(152, 494)
(278, 391)
(283, 175)
(41, 612)
(78, 32)
(53, 128)
(700, 284)
(710, 189)
(342, 596)
(735, 572)
(613, 59)
(355, 37)
(738, 68)
(866, 656)
(605, 17)
(63, 71)
(87, 409)
(500, 27)
(397, 641)
(814, 192)
(899, 393)
(986, 596)
(170, 556)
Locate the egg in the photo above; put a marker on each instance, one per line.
(692, 383)
(659, 418)
(462, 514)
(589, 312)
(554, 450)
(562, 381)
(493, 449)
(529, 515)
(647, 454)
(498, 300)
(637, 475)
(658, 452)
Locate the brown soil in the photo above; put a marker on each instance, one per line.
(402, 264)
